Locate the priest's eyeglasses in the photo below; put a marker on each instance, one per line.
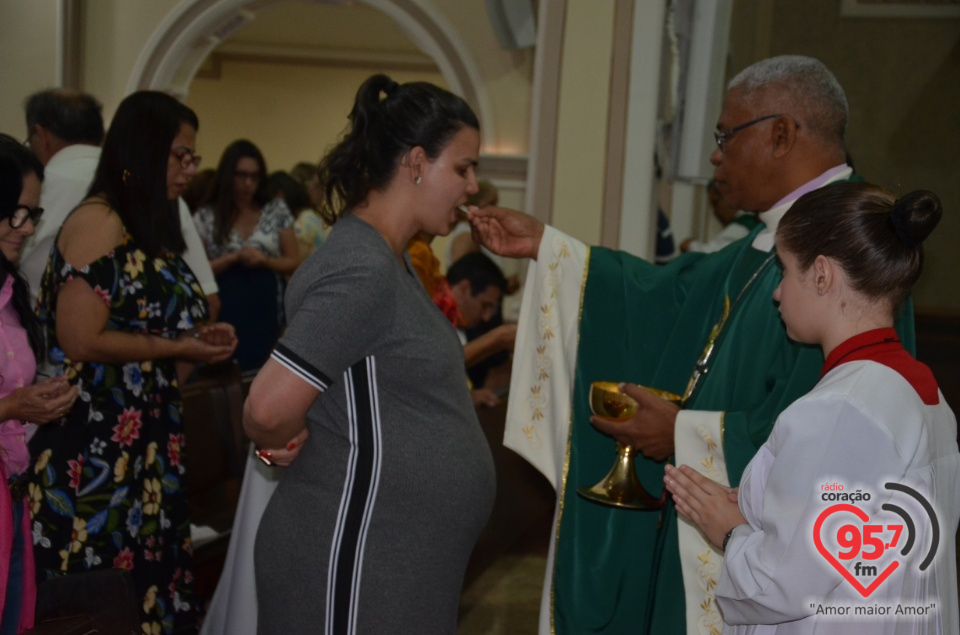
(721, 137)
(22, 213)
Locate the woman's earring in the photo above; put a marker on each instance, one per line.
(126, 175)
(416, 181)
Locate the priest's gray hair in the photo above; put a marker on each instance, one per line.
(804, 88)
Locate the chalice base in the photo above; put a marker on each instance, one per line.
(621, 488)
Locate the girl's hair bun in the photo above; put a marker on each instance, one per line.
(915, 215)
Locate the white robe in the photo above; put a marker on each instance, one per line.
(862, 426)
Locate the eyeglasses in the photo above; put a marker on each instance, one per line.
(186, 157)
(22, 213)
(241, 175)
(721, 137)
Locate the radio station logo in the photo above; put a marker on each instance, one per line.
(866, 551)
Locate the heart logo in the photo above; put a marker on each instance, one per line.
(862, 515)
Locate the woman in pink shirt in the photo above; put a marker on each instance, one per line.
(21, 401)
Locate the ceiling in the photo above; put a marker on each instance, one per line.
(296, 23)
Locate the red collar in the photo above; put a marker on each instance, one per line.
(884, 347)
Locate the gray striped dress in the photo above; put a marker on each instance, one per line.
(371, 528)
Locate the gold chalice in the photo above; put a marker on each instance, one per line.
(621, 488)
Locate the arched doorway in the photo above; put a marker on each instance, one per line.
(172, 56)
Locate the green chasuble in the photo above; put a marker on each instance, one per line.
(617, 570)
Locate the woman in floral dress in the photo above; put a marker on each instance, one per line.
(119, 308)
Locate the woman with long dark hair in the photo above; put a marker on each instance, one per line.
(21, 401)
(251, 245)
(119, 308)
(370, 529)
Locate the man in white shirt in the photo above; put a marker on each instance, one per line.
(64, 130)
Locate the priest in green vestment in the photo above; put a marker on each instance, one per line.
(593, 314)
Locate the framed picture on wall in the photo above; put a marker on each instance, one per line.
(900, 8)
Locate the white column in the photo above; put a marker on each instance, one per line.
(638, 216)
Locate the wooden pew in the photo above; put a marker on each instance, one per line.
(524, 497)
(215, 453)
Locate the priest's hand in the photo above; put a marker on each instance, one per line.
(506, 232)
(650, 430)
(707, 504)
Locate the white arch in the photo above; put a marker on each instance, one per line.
(176, 49)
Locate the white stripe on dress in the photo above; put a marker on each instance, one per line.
(344, 501)
(375, 483)
(298, 370)
(353, 422)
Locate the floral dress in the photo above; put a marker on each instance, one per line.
(108, 485)
(308, 228)
(251, 298)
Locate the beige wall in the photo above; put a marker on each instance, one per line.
(116, 32)
(503, 77)
(583, 116)
(902, 78)
(28, 35)
(507, 75)
(291, 112)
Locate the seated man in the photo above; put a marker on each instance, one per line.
(477, 284)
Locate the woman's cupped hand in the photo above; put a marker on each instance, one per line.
(210, 343)
(42, 402)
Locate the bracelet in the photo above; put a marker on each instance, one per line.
(263, 456)
(726, 539)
